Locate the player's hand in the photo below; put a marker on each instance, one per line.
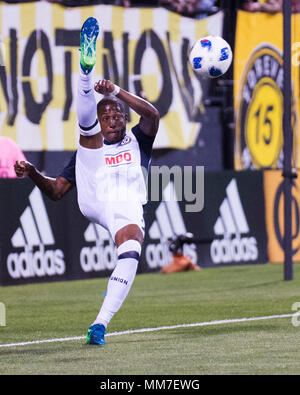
(105, 87)
(23, 168)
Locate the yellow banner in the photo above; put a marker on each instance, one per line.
(140, 49)
(274, 208)
(258, 90)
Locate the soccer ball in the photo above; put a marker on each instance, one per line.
(210, 56)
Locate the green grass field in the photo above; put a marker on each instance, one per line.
(66, 309)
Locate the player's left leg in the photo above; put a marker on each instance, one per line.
(88, 37)
(129, 244)
(86, 102)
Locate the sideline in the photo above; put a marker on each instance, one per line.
(159, 328)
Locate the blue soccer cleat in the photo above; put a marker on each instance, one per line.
(88, 37)
(95, 335)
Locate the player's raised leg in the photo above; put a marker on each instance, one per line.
(88, 37)
(86, 102)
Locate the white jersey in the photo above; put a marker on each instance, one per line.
(111, 180)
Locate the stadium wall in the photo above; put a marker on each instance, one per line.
(45, 241)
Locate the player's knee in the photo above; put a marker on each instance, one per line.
(129, 232)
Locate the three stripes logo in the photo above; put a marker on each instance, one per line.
(232, 225)
(169, 222)
(102, 255)
(32, 236)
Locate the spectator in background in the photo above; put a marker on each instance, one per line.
(191, 8)
(9, 154)
(271, 6)
(82, 3)
(204, 8)
(207, 5)
(166, 4)
(122, 3)
(144, 3)
(133, 3)
(295, 5)
(183, 7)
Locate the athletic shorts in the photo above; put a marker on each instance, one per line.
(112, 215)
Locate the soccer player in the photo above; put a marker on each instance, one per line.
(108, 171)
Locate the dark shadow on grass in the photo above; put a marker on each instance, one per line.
(259, 285)
(192, 333)
(230, 329)
(38, 350)
(33, 351)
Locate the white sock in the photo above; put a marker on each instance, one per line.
(86, 105)
(120, 281)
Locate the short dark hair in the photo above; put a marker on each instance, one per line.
(111, 100)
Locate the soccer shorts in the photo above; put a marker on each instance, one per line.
(111, 214)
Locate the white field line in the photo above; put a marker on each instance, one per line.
(159, 328)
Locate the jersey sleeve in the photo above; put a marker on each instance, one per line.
(69, 171)
(145, 141)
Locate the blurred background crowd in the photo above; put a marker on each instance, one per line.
(189, 8)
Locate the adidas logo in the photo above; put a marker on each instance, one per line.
(232, 224)
(33, 235)
(169, 222)
(101, 256)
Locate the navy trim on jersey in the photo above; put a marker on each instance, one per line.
(69, 171)
(108, 143)
(146, 144)
(86, 129)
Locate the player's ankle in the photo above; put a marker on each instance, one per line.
(85, 70)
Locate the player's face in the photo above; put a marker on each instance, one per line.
(113, 122)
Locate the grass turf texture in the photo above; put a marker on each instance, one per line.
(66, 309)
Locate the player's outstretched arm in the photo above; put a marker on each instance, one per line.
(54, 188)
(149, 120)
